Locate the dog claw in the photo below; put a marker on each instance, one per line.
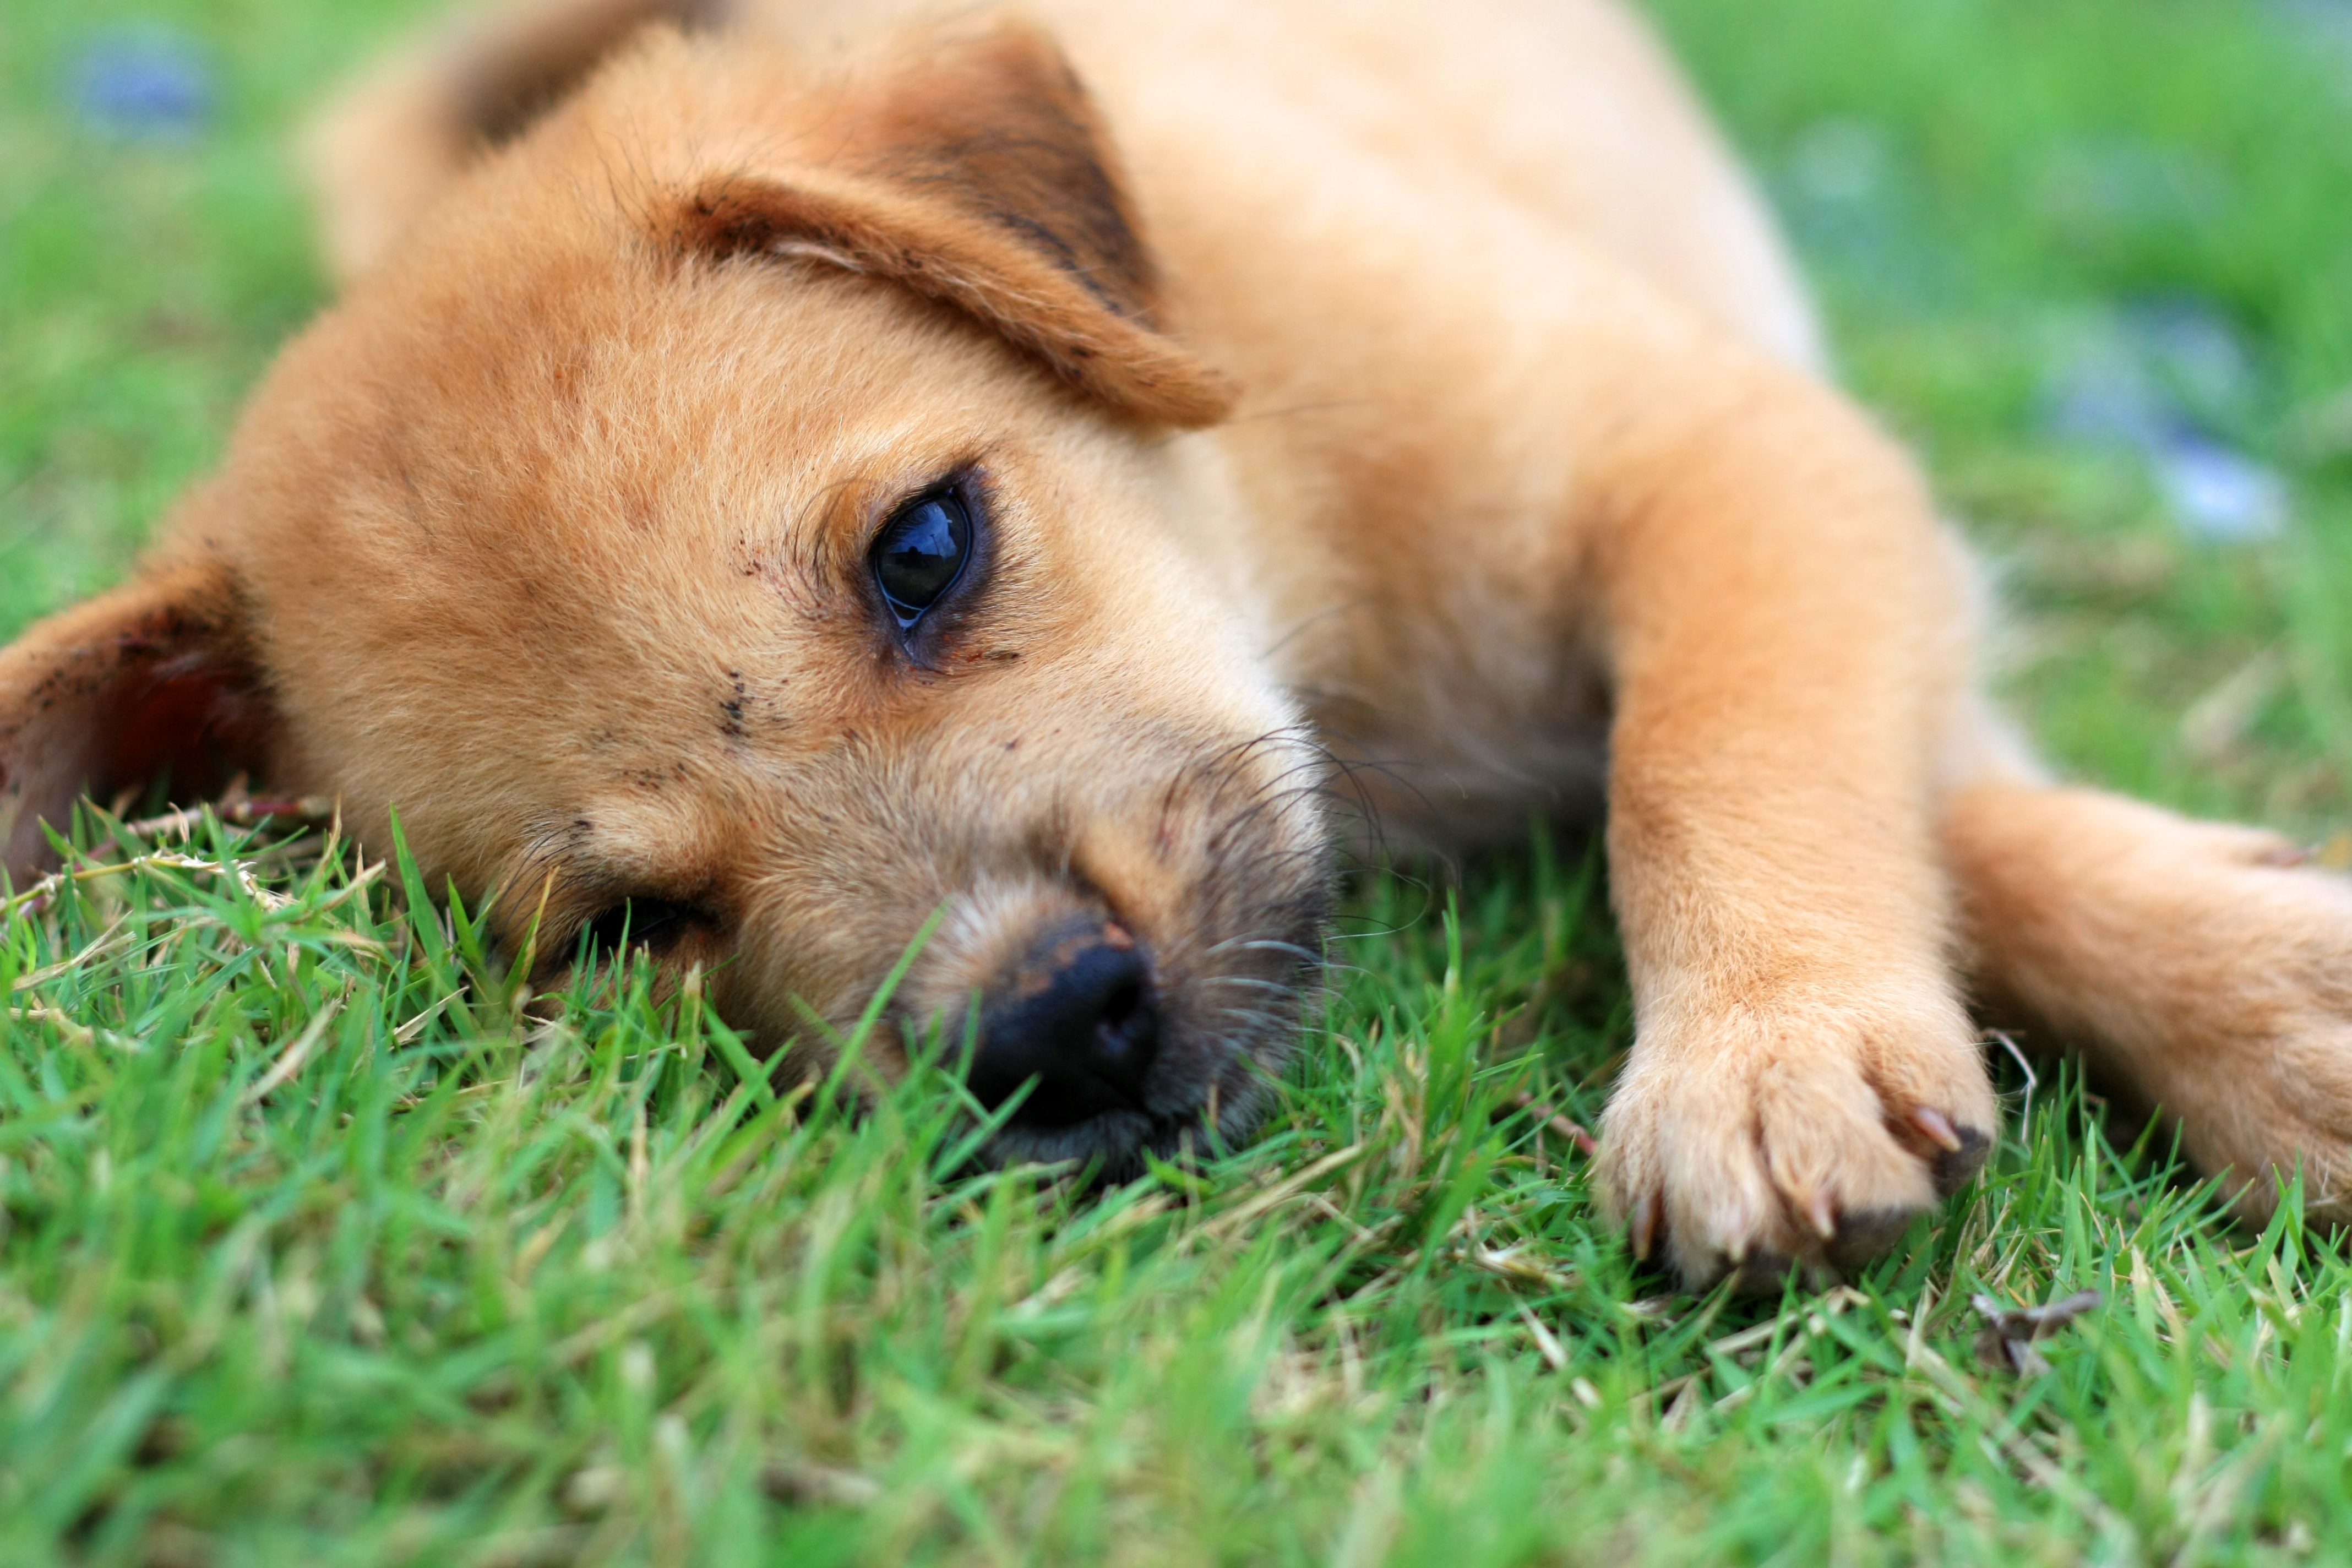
(1645, 1227)
(1939, 1129)
(1824, 1216)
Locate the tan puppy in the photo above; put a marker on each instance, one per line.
(763, 488)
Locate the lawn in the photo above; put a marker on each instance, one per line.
(317, 1247)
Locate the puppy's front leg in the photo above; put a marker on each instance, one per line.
(1785, 628)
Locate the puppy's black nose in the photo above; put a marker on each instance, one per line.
(1079, 1017)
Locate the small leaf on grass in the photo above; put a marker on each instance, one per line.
(2006, 1342)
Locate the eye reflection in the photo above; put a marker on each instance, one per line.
(921, 553)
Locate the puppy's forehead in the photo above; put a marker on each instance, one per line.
(595, 449)
(702, 403)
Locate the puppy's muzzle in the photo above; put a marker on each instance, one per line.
(1080, 1017)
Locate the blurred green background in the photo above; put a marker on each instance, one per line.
(2077, 250)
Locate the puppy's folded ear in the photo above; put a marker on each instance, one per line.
(155, 681)
(972, 168)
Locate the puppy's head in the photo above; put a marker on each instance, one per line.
(750, 520)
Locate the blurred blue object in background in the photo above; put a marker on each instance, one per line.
(154, 84)
(2163, 380)
(2218, 492)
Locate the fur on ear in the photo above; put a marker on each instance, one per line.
(154, 680)
(975, 171)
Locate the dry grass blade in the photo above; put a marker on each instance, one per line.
(1288, 1187)
(289, 1062)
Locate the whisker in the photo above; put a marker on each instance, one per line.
(1277, 986)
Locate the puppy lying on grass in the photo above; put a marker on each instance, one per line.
(789, 472)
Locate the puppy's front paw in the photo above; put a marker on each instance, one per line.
(1801, 1130)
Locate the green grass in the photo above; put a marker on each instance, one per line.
(315, 1249)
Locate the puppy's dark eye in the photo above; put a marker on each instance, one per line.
(654, 924)
(921, 553)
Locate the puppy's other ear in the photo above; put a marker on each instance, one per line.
(155, 680)
(973, 168)
(387, 148)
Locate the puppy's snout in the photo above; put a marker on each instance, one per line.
(1077, 1015)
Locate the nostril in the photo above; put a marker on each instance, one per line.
(1075, 1020)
